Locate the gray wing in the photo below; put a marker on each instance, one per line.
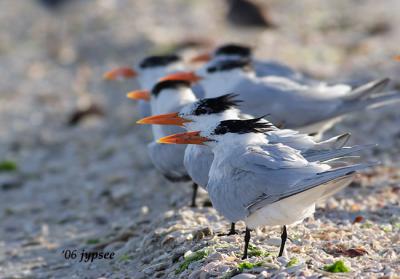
(327, 182)
(254, 173)
(286, 102)
(291, 138)
(168, 159)
(197, 161)
(312, 151)
(292, 176)
(325, 155)
(272, 68)
(298, 105)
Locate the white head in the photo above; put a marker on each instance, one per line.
(232, 51)
(149, 70)
(169, 96)
(207, 112)
(199, 115)
(225, 134)
(152, 68)
(224, 52)
(222, 76)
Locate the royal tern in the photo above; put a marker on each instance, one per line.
(148, 72)
(307, 108)
(261, 68)
(202, 114)
(262, 183)
(168, 96)
(207, 112)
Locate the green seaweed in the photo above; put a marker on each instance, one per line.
(93, 241)
(367, 225)
(292, 262)
(246, 265)
(8, 165)
(386, 228)
(254, 251)
(8, 211)
(194, 257)
(222, 246)
(337, 267)
(240, 268)
(125, 257)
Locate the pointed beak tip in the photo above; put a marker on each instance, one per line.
(162, 141)
(107, 76)
(184, 138)
(201, 58)
(164, 119)
(138, 95)
(120, 73)
(187, 76)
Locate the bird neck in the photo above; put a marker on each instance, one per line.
(206, 122)
(148, 77)
(171, 100)
(216, 84)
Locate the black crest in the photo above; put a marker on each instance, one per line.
(159, 60)
(234, 49)
(216, 105)
(229, 64)
(256, 125)
(169, 84)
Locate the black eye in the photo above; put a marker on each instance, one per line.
(200, 110)
(220, 130)
(212, 69)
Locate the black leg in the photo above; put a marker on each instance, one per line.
(283, 238)
(195, 186)
(246, 243)
(232, 231)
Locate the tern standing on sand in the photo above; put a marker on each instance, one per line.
(206, 113)
(262, 183)
(166, 97)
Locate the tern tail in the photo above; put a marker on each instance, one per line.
(365, 90)
(334, 142)
(368, 96)
(331, 182)
(319, 187)
(325, 155)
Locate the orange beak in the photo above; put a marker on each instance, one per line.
(120, 73)
(201, 58)
(188, 76)
(139, 95)
(184, 138)
(164, 119)
(397, 58)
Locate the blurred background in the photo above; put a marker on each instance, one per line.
(74, 165)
